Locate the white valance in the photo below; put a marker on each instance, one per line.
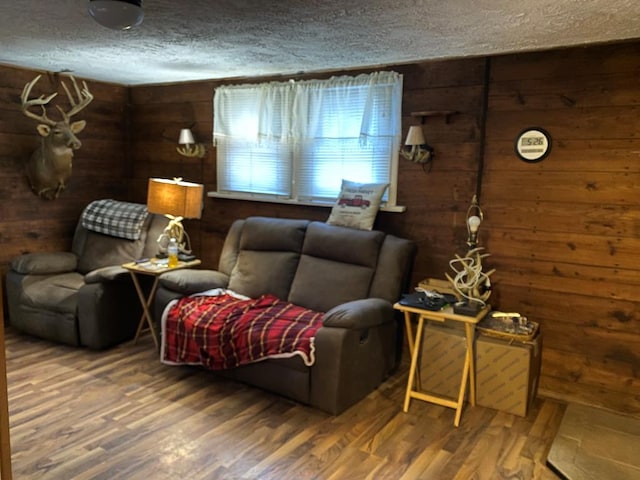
(296, 111)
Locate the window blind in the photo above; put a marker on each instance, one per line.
(298, 140)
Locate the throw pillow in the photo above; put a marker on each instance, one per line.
(357, 205)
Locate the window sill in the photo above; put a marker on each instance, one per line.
(269, 199)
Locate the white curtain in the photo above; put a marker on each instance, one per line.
(252, 125)
(308, 135)
(348, 106)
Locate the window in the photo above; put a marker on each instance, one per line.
(296, 141)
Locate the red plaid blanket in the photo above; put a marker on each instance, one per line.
(222, 331)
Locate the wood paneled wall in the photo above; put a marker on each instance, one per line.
(100, 167)
(563, 234)
(436, 202)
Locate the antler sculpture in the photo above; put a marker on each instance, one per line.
(49, 167)
(195, 150)
(470, 281)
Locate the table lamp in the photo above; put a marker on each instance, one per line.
(175, 200)
(470, 281)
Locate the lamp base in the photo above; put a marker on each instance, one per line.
(468, 309)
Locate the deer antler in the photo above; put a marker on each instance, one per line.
(195, 150)
(84, 98)
(41, 101)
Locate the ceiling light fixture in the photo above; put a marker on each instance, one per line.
(117, 14)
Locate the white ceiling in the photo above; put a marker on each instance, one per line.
(208, 39)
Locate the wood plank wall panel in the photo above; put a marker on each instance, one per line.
(434, 200)
(100, 167)
(564, 233)
(437, 200)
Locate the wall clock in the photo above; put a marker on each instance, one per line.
(533, 144)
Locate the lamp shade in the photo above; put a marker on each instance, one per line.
(175, 197)
(415, 136)
(186, 137)
(117, 14)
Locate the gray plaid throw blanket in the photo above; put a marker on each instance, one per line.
(118, 219)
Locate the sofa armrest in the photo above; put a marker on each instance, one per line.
(364, 313)
(106, 274)
(350, 363)
(45, 263)
(187, 281)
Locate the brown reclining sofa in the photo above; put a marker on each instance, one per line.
(353, 275)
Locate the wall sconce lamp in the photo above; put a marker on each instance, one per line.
(117, 14)
(175, 200)
(189, 147)
(415, 147)
(474, 219)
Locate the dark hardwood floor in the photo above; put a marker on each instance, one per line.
(120, 414)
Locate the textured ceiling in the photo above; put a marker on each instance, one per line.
(207, 39)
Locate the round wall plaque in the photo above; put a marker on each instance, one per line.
(533, 144)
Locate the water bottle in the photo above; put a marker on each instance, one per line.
(172, 252)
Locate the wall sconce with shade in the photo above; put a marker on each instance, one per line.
(175, 200)
(188, 146)
(415, 147)
(117, 14)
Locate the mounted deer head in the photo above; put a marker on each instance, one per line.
(49, 167)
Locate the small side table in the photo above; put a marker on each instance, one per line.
(468, 371)
(154, 269)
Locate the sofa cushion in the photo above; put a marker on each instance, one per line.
(268, 257)
(394, 268)
(322, 284)
(357, 205)
(337, 265)
(188, 281)
(341, 244)
(55, 293)
(257, 273)
(273, 234)
(231, 248)
(102, 251)
(44, 263)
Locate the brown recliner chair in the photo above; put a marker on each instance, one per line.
(84, 297)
